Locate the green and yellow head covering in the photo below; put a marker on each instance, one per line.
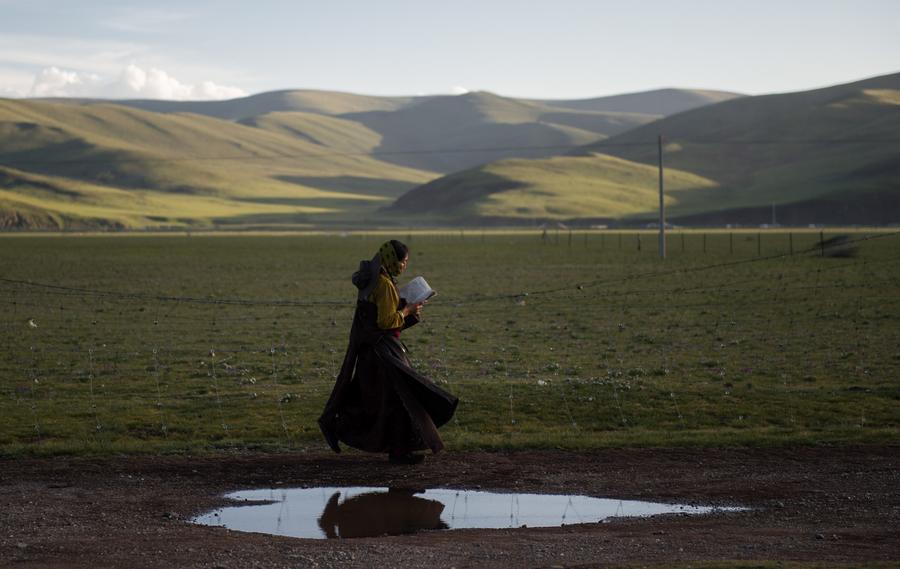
(389, 260)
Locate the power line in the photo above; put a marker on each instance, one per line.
(433, 151)
(376, 153)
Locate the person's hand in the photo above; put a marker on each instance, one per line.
(412, 309)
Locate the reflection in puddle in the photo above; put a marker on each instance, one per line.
(369, 512)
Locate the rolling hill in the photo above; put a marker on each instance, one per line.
(308, 101)
(822, 156)
(113, 166)
(561, 188)
(287, 157)
(447, 133)
(456, 132)
(660, 102)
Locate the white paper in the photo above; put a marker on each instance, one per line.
(416, 291)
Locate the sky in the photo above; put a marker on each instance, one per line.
(559, 49)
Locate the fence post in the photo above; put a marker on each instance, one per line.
(822, 242)
(791, 243)
(731, 243)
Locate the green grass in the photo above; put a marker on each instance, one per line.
(138, 169)
(759, 351)
(562, 187)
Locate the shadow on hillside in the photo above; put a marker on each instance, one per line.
(448, 195)
(263, 218)
(860, 208)
(352, 184)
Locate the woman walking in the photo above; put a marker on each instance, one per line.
(379, 403)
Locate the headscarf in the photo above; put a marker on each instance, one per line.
(389, 260)
(365, 278)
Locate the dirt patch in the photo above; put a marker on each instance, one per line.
(834, 505)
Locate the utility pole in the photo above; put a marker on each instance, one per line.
(662, 206)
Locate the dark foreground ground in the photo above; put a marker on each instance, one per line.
(836, 506)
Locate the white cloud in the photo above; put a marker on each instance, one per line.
(10, 93)
(55, 82)
(458, 90)
(134, 82)
(14, 83)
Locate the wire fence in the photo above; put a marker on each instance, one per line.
(14, 159)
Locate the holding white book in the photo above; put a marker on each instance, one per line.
(416, 291)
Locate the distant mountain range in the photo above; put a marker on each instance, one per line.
(289, 158)
(824, 156)
(315, 158)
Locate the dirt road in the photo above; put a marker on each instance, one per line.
(827, 504)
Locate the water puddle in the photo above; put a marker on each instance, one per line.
(322, 513)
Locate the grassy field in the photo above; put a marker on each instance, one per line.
(208, 342)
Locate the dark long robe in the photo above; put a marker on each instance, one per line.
(395, 512)
(379, 402)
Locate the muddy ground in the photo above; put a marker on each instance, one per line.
(834, 504)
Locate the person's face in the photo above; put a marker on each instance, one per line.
(404, 262)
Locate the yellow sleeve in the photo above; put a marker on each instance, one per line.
(387, 300)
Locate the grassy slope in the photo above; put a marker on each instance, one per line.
(87, 154)
(312, 101)
(467, 125)
(331, 132)
(551, 188)
(279, 157)
(703, 174)
(661, 102)
(759, 166)
(455, 132)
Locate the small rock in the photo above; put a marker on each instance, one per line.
(820, 536)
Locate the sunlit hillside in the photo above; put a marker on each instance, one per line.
(823, 156)
(662, 102)
(309, 101)
(445, 133)
(558, 188)
(457, 132)
(286, 158)
(106, 165)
